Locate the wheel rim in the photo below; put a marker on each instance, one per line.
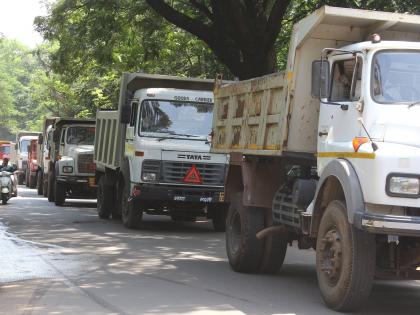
(331, 256)
(235, 233)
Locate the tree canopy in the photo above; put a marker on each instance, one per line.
(90, 43)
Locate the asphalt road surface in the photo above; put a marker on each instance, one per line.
(65, 260)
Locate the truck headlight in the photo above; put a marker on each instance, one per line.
(149, 177)
(67, 169)
(400, 185)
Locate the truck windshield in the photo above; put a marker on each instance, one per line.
(5, 149)
(24, 146)
(396, 77)
(175, 118)
(80, 135)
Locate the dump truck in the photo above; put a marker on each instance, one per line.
(71, 170)
(32, 170)
(23, 139)
(326, 154)
(4, 149)
(45, 140)
(152, 154)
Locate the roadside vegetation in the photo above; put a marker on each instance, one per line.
(88, 44)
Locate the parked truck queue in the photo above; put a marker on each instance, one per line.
(324, 155)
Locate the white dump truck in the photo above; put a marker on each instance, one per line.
(45, 140)
(71, 170)
(152, 154)
(327, 154)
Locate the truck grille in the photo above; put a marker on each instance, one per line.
(211, 174)
(85, 163)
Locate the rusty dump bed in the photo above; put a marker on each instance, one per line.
(275, 114)
(250, 116)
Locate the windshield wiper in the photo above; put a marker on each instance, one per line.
(414, 104)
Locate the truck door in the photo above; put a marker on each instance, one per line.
(131, 130)
(338, 123)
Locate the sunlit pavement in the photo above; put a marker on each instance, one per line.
(64, 260)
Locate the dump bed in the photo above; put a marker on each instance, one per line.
(108, 140)
(274, 114)
(250, 116)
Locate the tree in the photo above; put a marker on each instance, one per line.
(242, 34)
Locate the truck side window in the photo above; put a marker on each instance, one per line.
(342, 75)
(134, 111)
(356, 89)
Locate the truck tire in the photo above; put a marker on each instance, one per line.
(27, 178)
(275, 247)
(32, 181)
(345, 260)
(218, 213)
(104, 199)
(244, 250)
(50, 187)
(4, 199)
(21, 178)
(60, 194)
(39, 183)
(131, 217)
(45, 185)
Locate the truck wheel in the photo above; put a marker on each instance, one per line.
(44, 186)
(275, 247)
(27, 178)
(21, 178)
(60, 194)
(244, 250)
(50, 186)
(32, 181)
(218, 214)
(103, 196)
(345, 260)
(3, 199)
(131, 217)
(39, 181)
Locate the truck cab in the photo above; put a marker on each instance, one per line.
(71, 169)
(163, 163)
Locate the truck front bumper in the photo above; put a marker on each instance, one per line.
(178, 194)
(88, 180)
(391, 224)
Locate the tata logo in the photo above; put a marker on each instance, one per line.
(195, 157)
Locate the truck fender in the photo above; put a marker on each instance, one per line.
(342, 173)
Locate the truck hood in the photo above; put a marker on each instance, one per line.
(175, 145)
(401, 126)
(81, 149)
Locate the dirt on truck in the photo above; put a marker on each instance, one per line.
(326, 154)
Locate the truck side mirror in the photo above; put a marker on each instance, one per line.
(56, 135)
(40, 139)
(14, 167)
(125, 114)
(320, 78)
(16, 146)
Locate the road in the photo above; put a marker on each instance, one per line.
(64, 260)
